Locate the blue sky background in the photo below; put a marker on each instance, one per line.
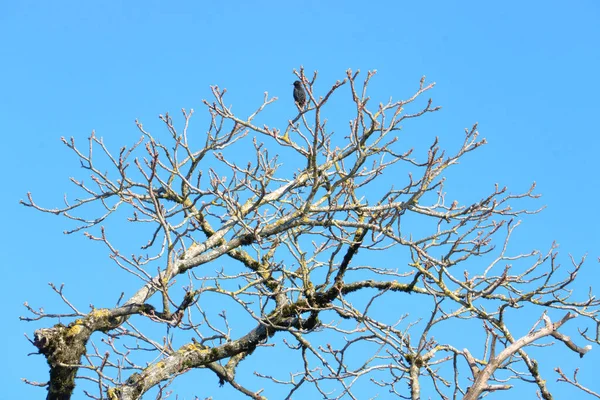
(528, 72)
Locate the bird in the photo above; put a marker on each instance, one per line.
(299, 94)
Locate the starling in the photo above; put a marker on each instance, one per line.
(299, 94)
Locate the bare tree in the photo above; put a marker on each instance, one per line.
(271, 221)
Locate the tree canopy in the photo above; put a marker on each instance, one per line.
(334, 256)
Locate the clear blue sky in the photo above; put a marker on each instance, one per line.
(528, 72)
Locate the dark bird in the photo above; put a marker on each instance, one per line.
(299, 94)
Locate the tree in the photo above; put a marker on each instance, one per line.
(347, 255)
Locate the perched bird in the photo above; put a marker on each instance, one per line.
(299, 94)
